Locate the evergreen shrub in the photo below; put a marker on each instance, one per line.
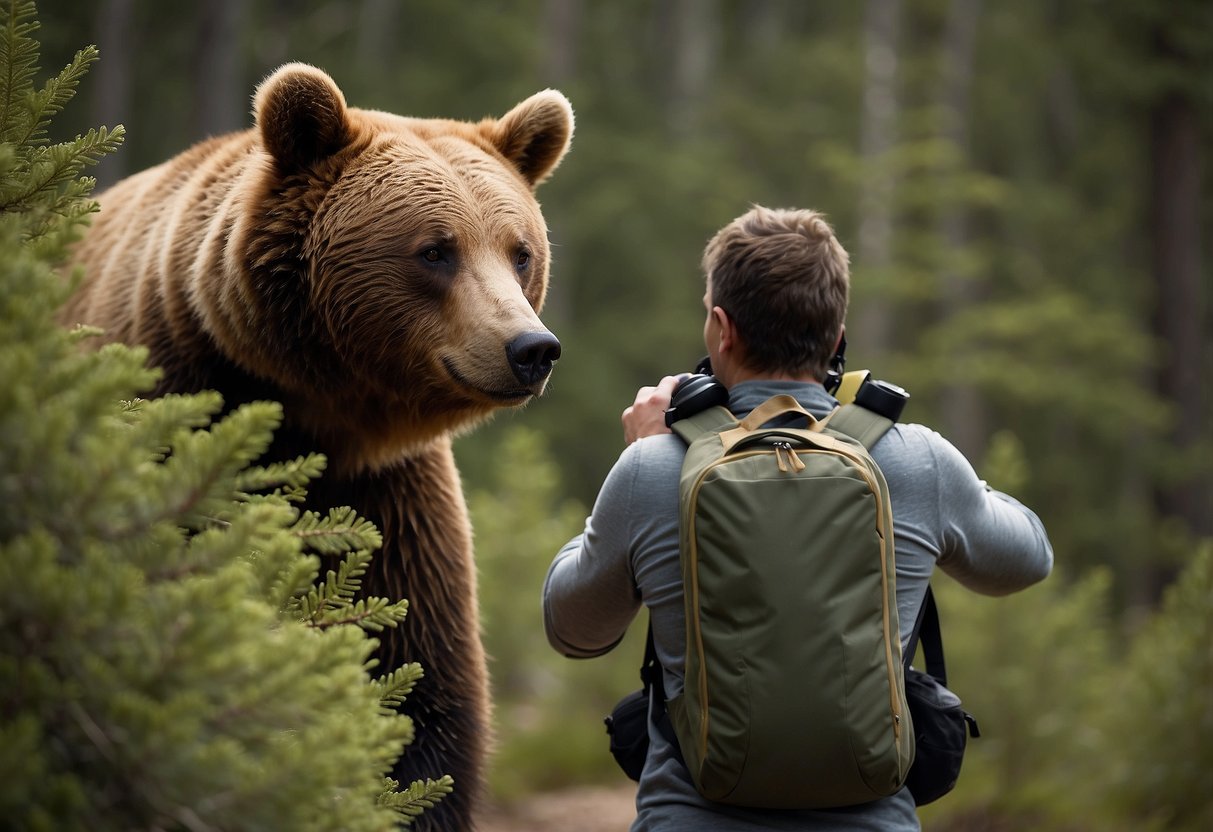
(169, 656)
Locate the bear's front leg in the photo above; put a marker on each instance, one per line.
(427, 558)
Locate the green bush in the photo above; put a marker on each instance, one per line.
(1158, 765)
(548, 709)
(166, 657)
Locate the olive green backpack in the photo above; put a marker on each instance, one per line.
(794, 694)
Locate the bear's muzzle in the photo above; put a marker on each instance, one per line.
(531, 356)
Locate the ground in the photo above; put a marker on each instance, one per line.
(586, 809)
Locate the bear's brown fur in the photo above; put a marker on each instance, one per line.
(381, 277)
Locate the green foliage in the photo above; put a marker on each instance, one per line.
(1007, 659)
(418, 797)
(1082, 727)
(39, 180)
(150, 673)
(1162, 771)
(166, 660)
(548, 710)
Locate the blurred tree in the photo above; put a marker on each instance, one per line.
(112, 88)
(877, 138)
(548, 709)
(1161, 771)
(220, 92)
(690, 30)
(1181, 317)
(561, 24)
(963, 409)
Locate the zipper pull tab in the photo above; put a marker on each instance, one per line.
(797, 463)
(793, 463)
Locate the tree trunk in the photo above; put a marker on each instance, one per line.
(878, 130)
(561, 24)
(220, 94)
(377, 35)
(112, 82)
(964, 411)
(1179, 312)
(561, 20)
(694, 32)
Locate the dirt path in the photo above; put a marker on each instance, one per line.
(573, 810)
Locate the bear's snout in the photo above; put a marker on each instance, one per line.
(531, 356)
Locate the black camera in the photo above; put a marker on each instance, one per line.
(701, 390)
(696, 393)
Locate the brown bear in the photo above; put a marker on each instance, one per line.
(381, 277)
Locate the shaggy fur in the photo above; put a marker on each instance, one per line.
(374, 274)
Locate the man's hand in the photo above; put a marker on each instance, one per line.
(646, 416)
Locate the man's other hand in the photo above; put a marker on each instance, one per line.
(646, 415)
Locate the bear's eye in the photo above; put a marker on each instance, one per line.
(433, 254)
(523, 259)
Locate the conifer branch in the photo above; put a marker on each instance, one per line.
(158, 420)
(55, 94)
(331, 603)
(19, 58)
(53, 166)
(285, 589)
(341, 531)
(395, 687)
(288, 477)
(419, 796)
(371, 614)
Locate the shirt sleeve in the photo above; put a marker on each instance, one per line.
(991, 543)
(590, 595)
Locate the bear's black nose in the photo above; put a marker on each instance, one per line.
(531, 356)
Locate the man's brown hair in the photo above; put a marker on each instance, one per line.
(784, 279)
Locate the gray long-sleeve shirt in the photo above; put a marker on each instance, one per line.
(628, 556)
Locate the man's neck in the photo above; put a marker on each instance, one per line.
(740, 376)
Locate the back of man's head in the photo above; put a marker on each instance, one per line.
(783, 278)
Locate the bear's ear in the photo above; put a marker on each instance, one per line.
(535, 135)
(301, 116)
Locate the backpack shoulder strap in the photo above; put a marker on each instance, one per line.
(705, 421)
(859, 423)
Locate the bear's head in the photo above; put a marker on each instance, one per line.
(403, 262)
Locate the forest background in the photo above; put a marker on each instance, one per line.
(1024, 190)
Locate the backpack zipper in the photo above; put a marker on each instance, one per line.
(783, 450)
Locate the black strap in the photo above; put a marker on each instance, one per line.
(927, 627)
(654, 685)
(650, 671)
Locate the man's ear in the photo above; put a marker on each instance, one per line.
(535, 135)
(301, 116)
(726, 328)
